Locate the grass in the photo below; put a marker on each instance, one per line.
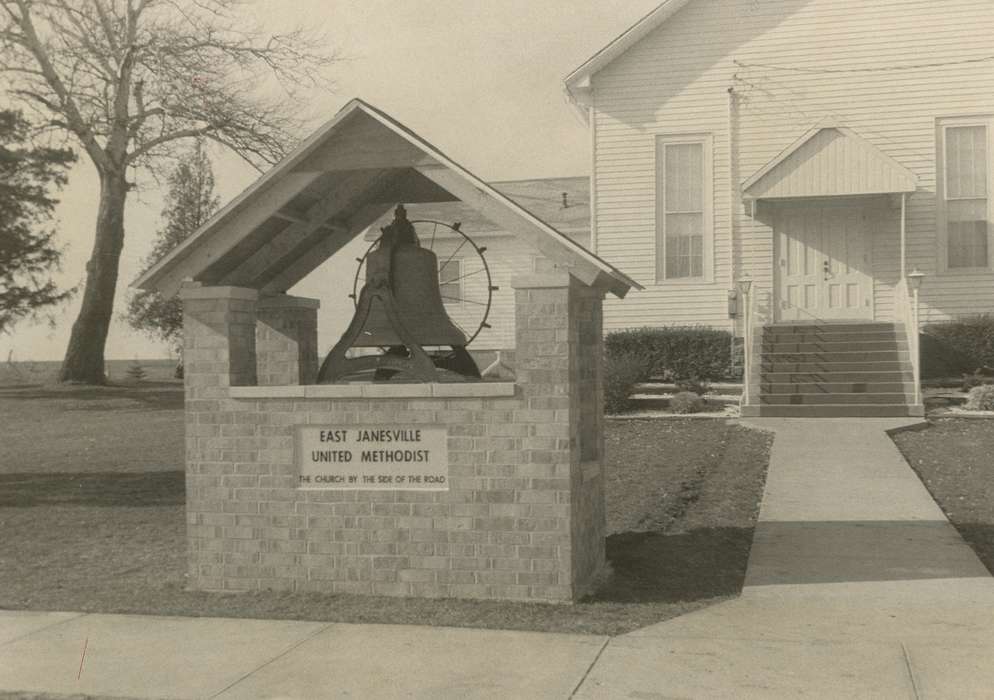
(953, 459)
(91, 507)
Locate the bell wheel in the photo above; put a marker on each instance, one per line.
(465, 283)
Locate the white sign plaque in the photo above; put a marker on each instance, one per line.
(411, 458)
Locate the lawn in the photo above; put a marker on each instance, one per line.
(91, 510)
(953, 457)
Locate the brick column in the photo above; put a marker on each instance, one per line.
(218, 339)
(218, 353)
(286, 340)
(558, 364)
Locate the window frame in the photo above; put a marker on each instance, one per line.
(706, 141)
(943, 124)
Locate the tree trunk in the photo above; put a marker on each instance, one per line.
(84, 360)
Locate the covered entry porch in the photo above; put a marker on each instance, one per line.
(832, 328)
(836, 208)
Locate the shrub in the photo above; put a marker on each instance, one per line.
(686, 402)
(621, 373)
(981, 398)
(677, 351)
(960, 347)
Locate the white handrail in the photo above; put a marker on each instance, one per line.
(749, 318)
(906, 307)
(747, 349)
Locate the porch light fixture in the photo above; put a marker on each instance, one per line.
(744, 284)
(915, 279)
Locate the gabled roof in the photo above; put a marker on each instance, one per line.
(337, 183)
(829, 160)
(579, 80)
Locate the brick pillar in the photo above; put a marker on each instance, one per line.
(558, 365)
(218, 339)
(218, 353)
(286, 340)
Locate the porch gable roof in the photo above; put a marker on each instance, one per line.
(830, 160)
(336, 184)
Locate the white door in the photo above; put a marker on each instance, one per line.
(823, 264)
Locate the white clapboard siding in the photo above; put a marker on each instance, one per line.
(507, 258)
(676, 80)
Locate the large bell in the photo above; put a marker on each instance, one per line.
(400, 309)
(415, 287)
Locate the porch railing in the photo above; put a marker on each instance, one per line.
(906, 312)
(756, 315)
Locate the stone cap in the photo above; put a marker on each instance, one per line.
(376, 391)
(198, 291)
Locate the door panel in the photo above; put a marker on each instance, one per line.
(799, 237)
(823, 264)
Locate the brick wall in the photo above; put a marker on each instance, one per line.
(286, 340)
(523, 517)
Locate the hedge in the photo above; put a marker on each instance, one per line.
(676, 352)
(953, 348)
(621, 374)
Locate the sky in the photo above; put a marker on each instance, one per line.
(480, 80)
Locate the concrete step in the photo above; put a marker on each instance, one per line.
(859, 375)
(813, 366)
(829, 337)
(840, 399)
(825, 327)
(837, 356)
(651, 402)
(828, 388)
(779, 347)
(661, 387)
(833, 411)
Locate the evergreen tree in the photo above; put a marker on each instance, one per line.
(190, 201)
(28, 254)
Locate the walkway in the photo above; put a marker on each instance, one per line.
(857, 587)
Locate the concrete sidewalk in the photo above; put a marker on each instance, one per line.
(857, 587)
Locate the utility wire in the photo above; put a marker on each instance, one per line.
(880, 69)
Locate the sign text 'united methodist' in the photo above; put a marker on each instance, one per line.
(373, 457)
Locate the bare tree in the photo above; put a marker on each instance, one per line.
(127, 79)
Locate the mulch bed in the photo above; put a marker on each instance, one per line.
(91, 508)
(955, 460)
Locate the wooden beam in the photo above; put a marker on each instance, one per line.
(287, 216)
(517, 222)
(315, 257)
(345, 196)
(201, 253)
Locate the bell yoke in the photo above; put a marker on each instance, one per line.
(400, 309)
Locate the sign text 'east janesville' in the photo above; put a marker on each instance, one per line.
(373, 457)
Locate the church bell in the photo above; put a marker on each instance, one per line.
(400, 309)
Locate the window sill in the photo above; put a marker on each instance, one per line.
(684, 282)
(966, 272)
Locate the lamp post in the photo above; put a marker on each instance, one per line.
(744, 285)
(915, 283)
